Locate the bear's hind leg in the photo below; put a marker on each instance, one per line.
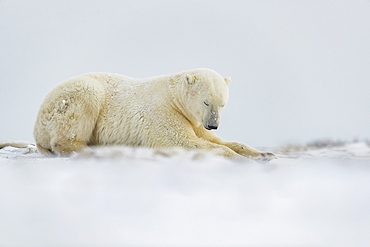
(45, 151)
(73, 132)
(68, 115)
(75, 122)
(64, 147)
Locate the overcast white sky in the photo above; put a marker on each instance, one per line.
(300, 69)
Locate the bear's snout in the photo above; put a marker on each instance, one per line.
(211, 127)
(212, 120)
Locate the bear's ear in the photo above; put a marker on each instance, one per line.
(190, 79)
(227, 80)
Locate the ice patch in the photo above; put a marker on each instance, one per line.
(114, 196)
(121, 152)
(327, 150)
(28, 152)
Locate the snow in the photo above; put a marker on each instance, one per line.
(312, 195)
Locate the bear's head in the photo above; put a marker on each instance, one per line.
(206, 94)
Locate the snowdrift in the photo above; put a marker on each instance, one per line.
(312, 195)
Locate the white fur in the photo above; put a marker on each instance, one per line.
(112, 109)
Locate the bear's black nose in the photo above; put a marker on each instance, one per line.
(211, 127)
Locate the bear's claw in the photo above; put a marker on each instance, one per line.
(266, 157)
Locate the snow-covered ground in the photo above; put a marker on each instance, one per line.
(312, 195)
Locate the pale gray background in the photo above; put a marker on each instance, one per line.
(300, 69)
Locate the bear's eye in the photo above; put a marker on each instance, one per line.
(206, 103)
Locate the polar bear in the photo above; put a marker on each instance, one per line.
(176, 110)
